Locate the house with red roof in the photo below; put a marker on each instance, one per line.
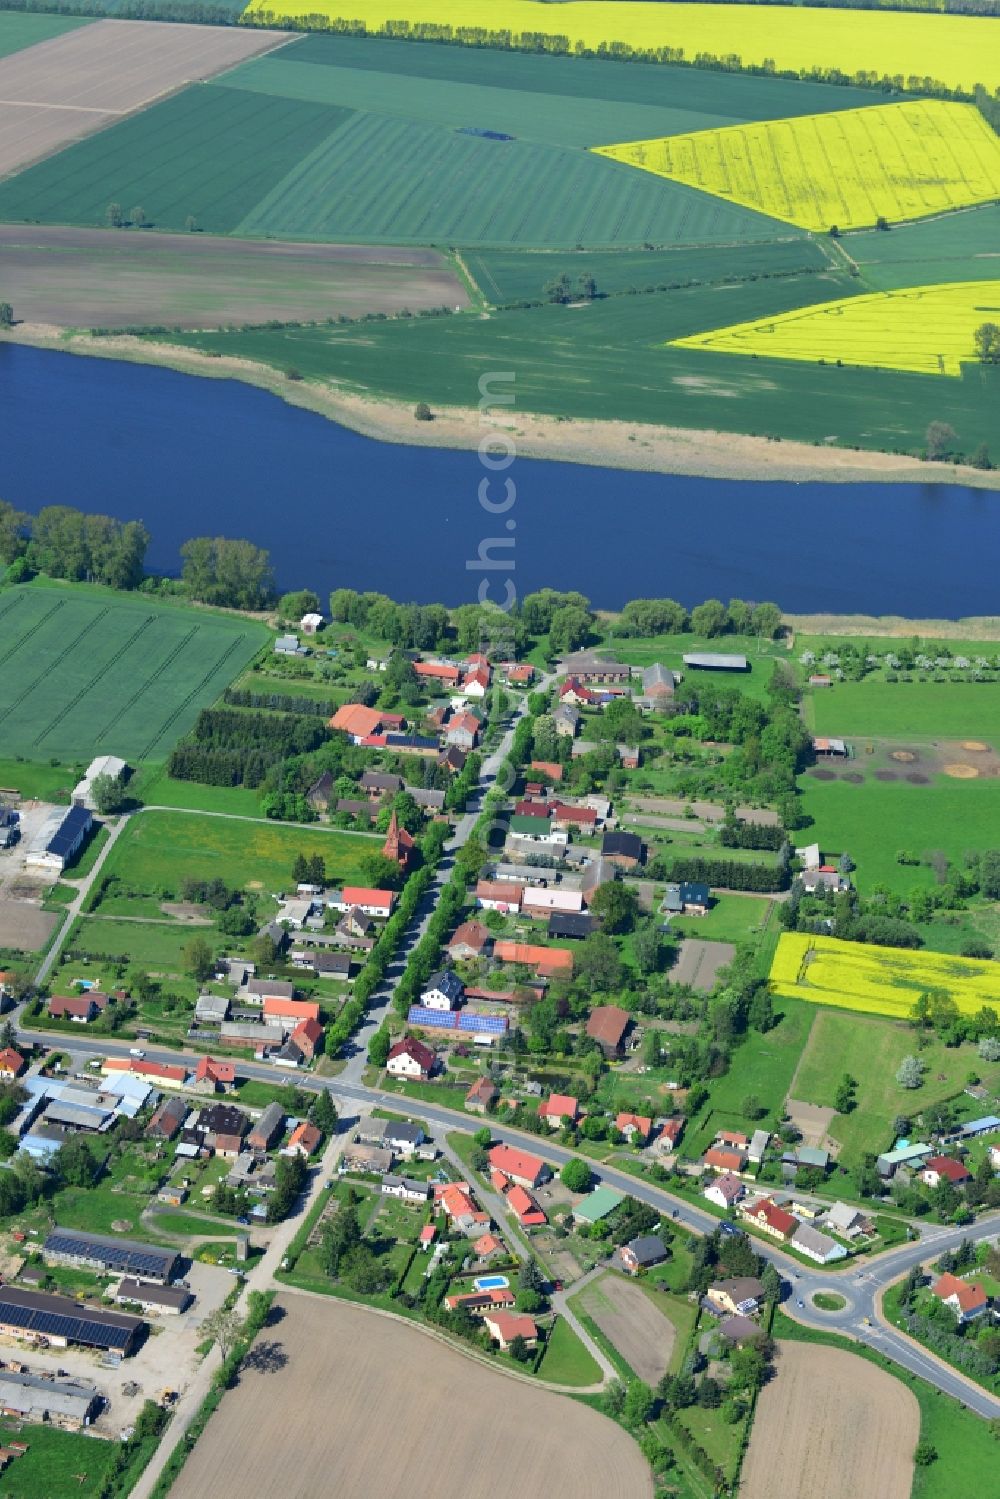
(80, 1008)
(357, 721)
(718, 1158)
(410, 1058)
(941, 1168)
(456, 1201)
(499, 895)
(469, 940)
(557, 1108)
(211, 1076)
(477, 1302)
(438, 671)
(364, 899)
(576, 695)
(482, 1095)
(488, 1245)
(157, 1073)
(548, 962)
(307, 1036)
(635, 1127)
(305, 1139)
(732, 1137)
(766, 1214)
(524, 1169)
(427, 1235)
(671, 1131)
(504, 1327)
(524, 1207)
(519, 671)
(477, 682)
(725, 1191)
(566, 816)
(12, 1064)
(967, 1299)
(289, 1012)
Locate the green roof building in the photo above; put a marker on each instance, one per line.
(600, 1202)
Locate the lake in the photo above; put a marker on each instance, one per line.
(192, 456)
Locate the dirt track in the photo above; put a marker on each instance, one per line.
(628, 1319)
(831, 1424)
(100, 278)
(355, 1404)
(60, 90)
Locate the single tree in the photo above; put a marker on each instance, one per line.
(981, 457)
(422, 412)
(225, 1327)
(940, 440)
(910, 1072)
(587, 285)
(558, 289)
(198, 959)
(108, 794)
(137, 218)
(987, 342)
(519, 1350)
(324, 1113)
(576, 1175)
(114, 215)
(191, 224)
(6, 315)
(378, 1047)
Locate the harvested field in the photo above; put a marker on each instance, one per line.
(76, 83)
(24, 927)
(101, 278)
(334, 1371)
(812, 1123)
(630, 1321)
(870, 1426)
(699, 961)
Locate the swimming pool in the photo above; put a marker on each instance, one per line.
(491, 1283)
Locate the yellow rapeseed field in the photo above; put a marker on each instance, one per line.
(926, 330)
(958, 51)
(877, 980)
(850, 168)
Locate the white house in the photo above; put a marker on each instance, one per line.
(758, 1145)
(104, 765)
(817, 1246)
(410, 1058)
(444, 991)
(310, 623)
(847, 1221)
(725, 1190)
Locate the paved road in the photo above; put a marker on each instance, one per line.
(76, 904)
(861, 1283)
(381, 1001)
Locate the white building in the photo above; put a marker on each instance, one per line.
(104, 765)
(817, 1246)
(310, 623)
(59, 839)
(444, 991)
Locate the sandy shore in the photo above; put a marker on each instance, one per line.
(666, 450)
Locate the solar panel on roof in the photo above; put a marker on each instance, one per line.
(420, 1015)
(493, 1025)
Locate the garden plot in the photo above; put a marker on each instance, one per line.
(631, 1323)
(698, 962)
(75, 84)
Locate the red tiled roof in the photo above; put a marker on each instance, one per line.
(363, 895)
(437, 670)
(505, 891)
(732, 1137)
(559, 1106)
(953, 1171)
(357, 720)
(516, 1162)
(511, 1325)
(725, 1160)
(633, 1121)
(544, 960)
(968, 1294)
(291, 1009)
(608, 1024)
(218, 1072)
(410, 1047)
(673, 1129)
(470, 934)
(11, 1060)
(775, 1217)
(563, 812)
(524, 1205)
(306, 1136)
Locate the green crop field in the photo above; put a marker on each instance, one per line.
(871, 1051)
(955, 247)
(84, 672)
(55, 1462)
(909, 710)
(873, 822)
(18, 31)
(505, 276)
(158, 849)
(352, 140)
(154, 944)
(608, 360)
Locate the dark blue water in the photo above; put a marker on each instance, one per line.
(193, 456)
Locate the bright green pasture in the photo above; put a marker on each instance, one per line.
(954, 709)
(875, 821)
(955, 247)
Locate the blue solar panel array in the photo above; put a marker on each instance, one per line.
(490, 1025)
(94, 1331)
(126, 1255)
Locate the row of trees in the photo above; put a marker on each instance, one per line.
(68, 543)
(227, 748)
(711, 618)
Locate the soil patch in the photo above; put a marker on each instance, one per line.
(812, 1121)
(822, 775)
(959, 771)
(359, 1400)
(853, 777)
(975, 746)
(698, 961)
(628, 1319)
(886, 775)
(905, 756)
(870, 1426)
(186, 910)
(916, 779)
(25, 927)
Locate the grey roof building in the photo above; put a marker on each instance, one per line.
(69, 1246)
(64, 1402)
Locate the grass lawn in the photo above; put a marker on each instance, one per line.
(720, 1439)
(158, 849)
(566, 1360)
(874, 821)
(155, 943)
(155, 788)
(956, 709)
(188, 1223)
(732, 918)
(966, 1448)
(829, 1301)
(85, 860)
(763, 1066)
(644, 650)
(54, 1463)
(95, 1209)
(871, 1049)
(36, 778)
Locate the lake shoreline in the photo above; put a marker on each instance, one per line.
(603, 444)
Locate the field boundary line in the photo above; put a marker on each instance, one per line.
(23, 640)
(236, 641)
(88, 686)
(168, 661)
